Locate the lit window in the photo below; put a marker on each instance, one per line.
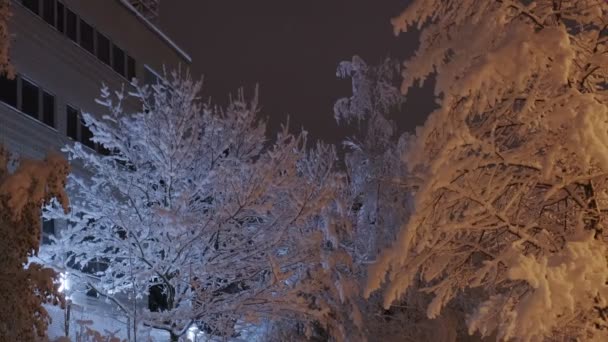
(72, 122)
(87, 35)
(48, 11)
(29, 98)
(118, 60)
(103, 48)
(71, 27)
(48, 109)
(8, 91)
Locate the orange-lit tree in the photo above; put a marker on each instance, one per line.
(5, 40)
(377, 195)
(512, 192)
(26, 285)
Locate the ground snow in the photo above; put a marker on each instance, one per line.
(104, 317)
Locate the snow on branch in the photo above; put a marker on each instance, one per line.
(193, 208)
(512, 167)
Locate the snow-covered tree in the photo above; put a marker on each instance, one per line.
(372, 160)
(378, 197)
(511, 201)
(192, 207)
(26, 285)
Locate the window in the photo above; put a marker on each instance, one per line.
(103, 48)
(71, 28)
(150, 77)
(87, 35)
(29, 98)
(32, 5)
(86, 135)
(130, 68)
(72, 124)
(103, 150)
(60, 24)
(118, 60)
(8, 91)
(66, 21)
(48, 11)
(48, 230)
(48, 109)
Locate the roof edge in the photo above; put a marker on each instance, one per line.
(156, 30)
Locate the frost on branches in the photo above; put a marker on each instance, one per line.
(26, 286)
(373, 168)
(511, 204)
(192, 208)
(376, 197)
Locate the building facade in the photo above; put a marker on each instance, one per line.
(62, 52)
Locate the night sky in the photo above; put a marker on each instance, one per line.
(291, 48)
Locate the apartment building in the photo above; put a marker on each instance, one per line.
(63, 51)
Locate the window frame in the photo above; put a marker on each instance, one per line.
(37, 12)
(70, 24)
(46, 234)
(76, 37)
(151, 71)
(130, 70)
(43, 114)
(53, 11)
(124, 58)
(97, 51)
(85, 134)
(15, 80)
(93, 46)
(60, 26)
(67, 123)
(20, 97)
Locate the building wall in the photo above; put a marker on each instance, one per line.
(129, 31)
(74, 76)
(47, 58)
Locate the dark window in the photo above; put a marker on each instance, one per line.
(48, 109)
(60, 25)
(87, 35)
(29, 98)
(48, 226)
(103, 48)
(8, 91)
(33, 5)
(71, 25)
(72, 124)
(150, 77)
(48, 229)
(130, 68)
(103, 150)
(86, 135)
(48, 11)
(118, 60)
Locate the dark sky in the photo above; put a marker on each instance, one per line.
(291, 48)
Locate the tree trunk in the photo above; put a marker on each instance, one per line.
(174, 338)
